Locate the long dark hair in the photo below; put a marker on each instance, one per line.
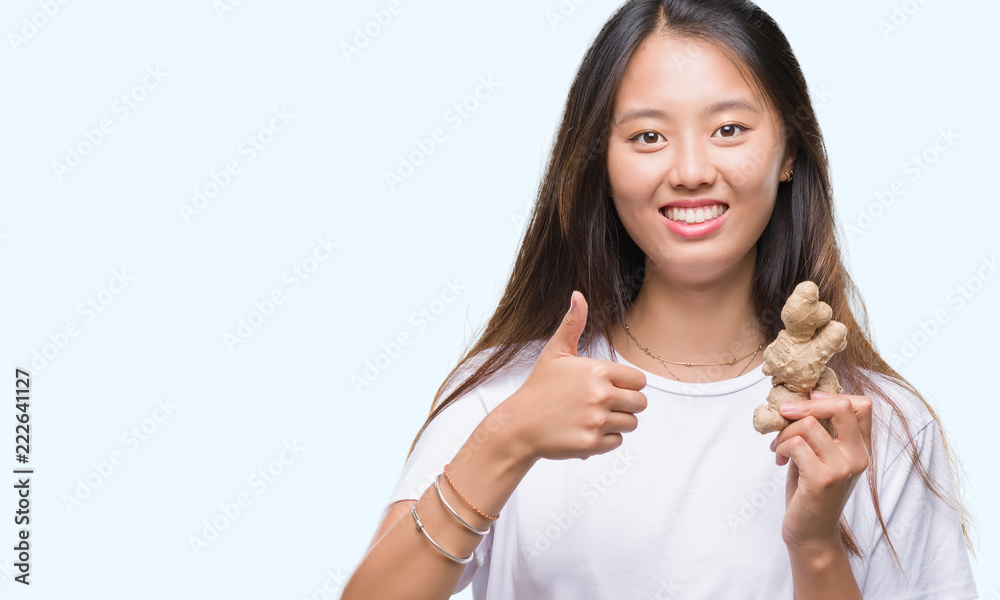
(575, 240)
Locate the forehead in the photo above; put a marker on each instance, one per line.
(682, 75)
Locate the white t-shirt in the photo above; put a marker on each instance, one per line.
(690, 505)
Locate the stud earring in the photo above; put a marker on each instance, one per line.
(787, 175)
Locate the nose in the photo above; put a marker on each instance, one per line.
(690, 165)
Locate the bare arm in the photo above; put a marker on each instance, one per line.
(401, 562)
(569, 407)
(823, 572)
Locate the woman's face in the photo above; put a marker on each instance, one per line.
(694, 160)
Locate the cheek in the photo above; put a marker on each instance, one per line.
(751, 172)
(635, 217)
(628, 213)
(633, 174)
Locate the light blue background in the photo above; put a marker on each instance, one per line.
(458, 217)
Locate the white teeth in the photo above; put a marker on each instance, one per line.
(694, 215)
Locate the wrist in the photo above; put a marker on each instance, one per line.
(508, 440)
(817, 555)
(498, 440)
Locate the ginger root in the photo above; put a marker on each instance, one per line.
(796, 360)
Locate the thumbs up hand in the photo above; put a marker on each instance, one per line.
(572, 406)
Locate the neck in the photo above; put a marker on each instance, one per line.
(694, 321)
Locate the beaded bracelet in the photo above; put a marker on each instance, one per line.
(437, 485)
(420, 526)
(452, 484)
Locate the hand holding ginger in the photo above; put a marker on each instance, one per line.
(796, 360)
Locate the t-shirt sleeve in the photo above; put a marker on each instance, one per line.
(925, 531)
(440, 441)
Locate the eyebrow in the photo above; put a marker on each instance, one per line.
(711, 109)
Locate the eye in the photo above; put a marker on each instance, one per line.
(729, 130)
(647, 137)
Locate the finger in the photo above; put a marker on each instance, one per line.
(819, 471)
(798, 450)
(837, 454)
(791, 479)
(629, 401)
(609, 442)
(863, 409)
(626, 377)
(567, 337)
(818, 438)
(836, 407)
(620, 422)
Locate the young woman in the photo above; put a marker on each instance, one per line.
(686, 196)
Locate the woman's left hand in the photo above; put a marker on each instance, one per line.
(824, 467)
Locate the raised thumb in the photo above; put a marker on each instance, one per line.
(567, 337)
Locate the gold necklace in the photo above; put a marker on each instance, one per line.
(752, 355)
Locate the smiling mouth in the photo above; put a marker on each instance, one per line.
(693, 215)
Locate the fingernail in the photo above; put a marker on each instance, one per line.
(789, 408)
(818, 394)
(774, 443)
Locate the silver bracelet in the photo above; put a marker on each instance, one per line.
(420, 526)
(437, 485)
